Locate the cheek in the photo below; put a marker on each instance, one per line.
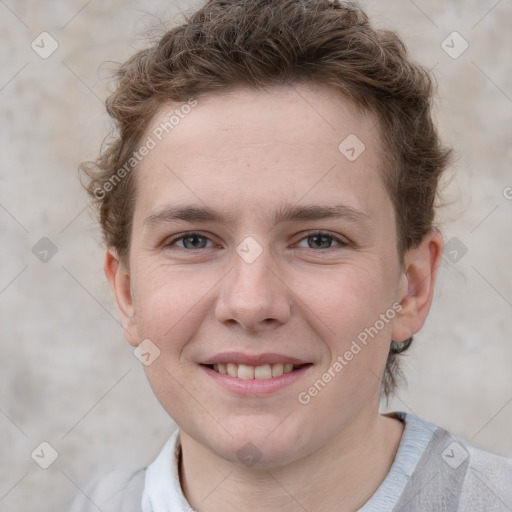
(345, 308)
(346, 300)
(167, 303)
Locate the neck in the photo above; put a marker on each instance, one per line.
(340, 477)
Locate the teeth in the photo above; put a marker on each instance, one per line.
(232, 370)
(263, 372)
(277, 370)
(243, 371)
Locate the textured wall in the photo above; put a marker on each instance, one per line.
(68, 378)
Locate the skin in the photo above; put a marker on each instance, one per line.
(248, 154)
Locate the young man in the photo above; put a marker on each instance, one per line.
(268, 210)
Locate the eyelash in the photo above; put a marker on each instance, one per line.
(189, 234)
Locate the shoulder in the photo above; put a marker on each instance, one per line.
(488, 481)
(118, 491)
(452, 474)
(487, 463)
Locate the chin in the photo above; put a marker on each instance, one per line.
(258, 444)
(258, 455)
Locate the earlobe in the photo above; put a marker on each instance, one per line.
(119, 278)
(416, 287)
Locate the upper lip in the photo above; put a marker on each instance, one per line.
(253, 360)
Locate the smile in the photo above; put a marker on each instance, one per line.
(260, 372)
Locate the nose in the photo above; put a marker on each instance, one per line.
(253, 295)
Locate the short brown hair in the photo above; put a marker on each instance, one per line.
(260, 43)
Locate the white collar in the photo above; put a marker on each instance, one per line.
(162, 489)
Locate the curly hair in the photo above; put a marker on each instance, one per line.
(261, 43)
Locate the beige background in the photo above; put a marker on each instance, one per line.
(67, 376)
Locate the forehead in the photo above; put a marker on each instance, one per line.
(248, 148)
(300, 115)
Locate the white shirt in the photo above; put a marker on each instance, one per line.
(432, 470)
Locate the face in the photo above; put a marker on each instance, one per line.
(258, 242)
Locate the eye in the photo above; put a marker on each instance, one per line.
(191, 240)
(194, 240)
(320, 240)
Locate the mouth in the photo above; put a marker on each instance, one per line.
(260, 372)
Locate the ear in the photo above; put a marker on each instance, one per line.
(416, 287)
(119, 278)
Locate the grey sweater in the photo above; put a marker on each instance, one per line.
(433, 471)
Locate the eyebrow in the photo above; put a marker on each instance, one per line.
(287, 213)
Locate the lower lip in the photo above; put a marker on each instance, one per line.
(256, 386)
